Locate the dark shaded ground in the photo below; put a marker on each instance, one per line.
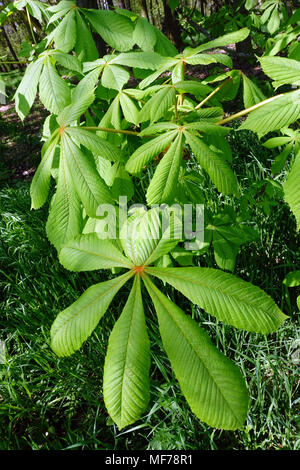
(19, 142)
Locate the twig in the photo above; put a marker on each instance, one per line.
(248, 110)
(213, 93)
(107, 129)
(12, 62)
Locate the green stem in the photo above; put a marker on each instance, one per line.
(167, 81)
(107, 129)
(30, 25)
(12, 62)
(248, 110)
(175, 109)
(213, 93)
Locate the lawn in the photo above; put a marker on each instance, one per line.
(48, 402)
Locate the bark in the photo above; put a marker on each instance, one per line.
(10, 47)
(171, 27)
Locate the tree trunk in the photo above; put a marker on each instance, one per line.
(10, 47)
(171, 27)
(243, 47)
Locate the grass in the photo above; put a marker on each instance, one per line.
(52, 403)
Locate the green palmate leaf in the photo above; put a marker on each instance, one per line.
(144, 35)
(207, 128)
(67, 60)
(89, 252)
(142, 60)
(292, 279)
(129, 108)
(167, 63)
(112, 119)
(114, 77)
(65, 33)
(127, 363)
(291, 133)
(135, 93)
(61, 6)
(206, 59)
(282, 41)
(86, 85)
(74, 325)
(217, 143)
(6, 12)
(96, 64)
(213, 114)
(249, 4)
(225, 252)
(26, 91)
(65, 216)
(75, 110)
(212, 384)
(193, 87)
(225, 296)
(274, 115)
(127, 13)
(291, 189)
(114, 115)
(295, 18)
(281, 158)
(54, 91)
(106, 170)
(222, 41)
(149, 235)
(274, 22)
(281, 70)
(57, 17)
(146, 152)
(163, 183)
(116, 30)
(251, 93)
(98, 146)
(229, 91)
(50, 128)
(35, 9)
(151, 78)
(85, 46)
(268, 7)
(228, 236)
(163, 45)
(276, 142)
(122, 184)
(178, 73)
(158, 127)
(158, 105)
(189, 190)
(39, 187)
(105, 94)
(182, 257)
(217, 168)
(104, 228)
(89, 186)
